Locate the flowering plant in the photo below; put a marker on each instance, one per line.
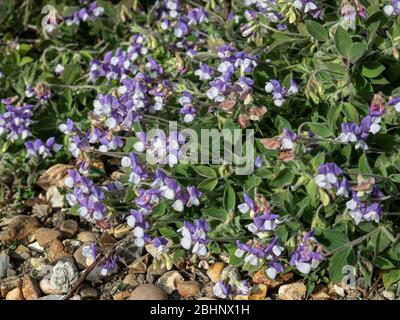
(314, 83)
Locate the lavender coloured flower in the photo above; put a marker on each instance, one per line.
(16, 121)
(42, 149)
(307, 255)
(328, 175)
(195, 236)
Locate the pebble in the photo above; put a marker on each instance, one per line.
(80, 259)
(22, 252)
(46, 235)
(47, 288)
(390, 295)
(260, 278)
(215, 271)
(56, 251)
(15, 294)
(151, 273)
(206, 298)
(293, 291)
(148, 292)
(88, 293)
(169, 281)
(63, 276)
(188, 288)
(69, 228)
(30, 288)
(54, 197)
(36, 247)
(139, 265)
(121, 295)
(339, 291)
(8, 284)
(320, 296)
(260, 294)
(4, 264)
(130, 279)
(19, 229)
(87, 236)
(52, 297)
(41, 211)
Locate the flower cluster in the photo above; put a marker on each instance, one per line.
(16, 121)
(256, 254)
(361, 211)
(350, 12)
(310, 7)
(40, 92)
(84, 14)
(308, 254)
(136, 220)
(358, 134)
(279, 92)
(327, 177)
(42, 149)
(195, 236)
(263, 219)
(86, 197)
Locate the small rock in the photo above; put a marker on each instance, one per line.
(63, 276)
(152, 250)
(148, 292)
(56, 251)
(41, 211)
(390, 295)
(15, 294)
(80, 259)
(206, 298)
(36, 247)
(47, 288)
(19, 229)
(261, 278)
(88, 293)
(320, 296)
(121, 295)
(121, 230)
(130, 279)
(30, 288)
(46, 235)
(293, 291)
(8, 284)
(169, 281)
(339, 291)
(22, 253)
(260, 293)
(52, 297)
(215, 271)
(4, 264)
(188, 288)
(87, 236)
(69, 228)
(37, 263)
(151, 272)
(71, 245)
(139, 265)
(54, 197)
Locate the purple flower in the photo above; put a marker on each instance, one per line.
(222, 290)
(327, 177)
(195, 235)
(307, 255)
(360, 211)
(16, 121)
(39, 148)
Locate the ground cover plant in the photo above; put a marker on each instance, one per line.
(110, 187)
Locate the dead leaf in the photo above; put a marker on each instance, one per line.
(227, 105)
(244, 120)
(54, 176)
(287, 155)
(257, 112)
(271, 143)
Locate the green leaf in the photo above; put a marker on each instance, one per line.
(391, 277)
(320, 130)
(337, 262)
(357, 50)
(229, 198)
(205, 171)
(317, 30)
(284, 177)
(216, 213)
(342, 41)
(372, 69)
(208, 184)
(363, 165)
